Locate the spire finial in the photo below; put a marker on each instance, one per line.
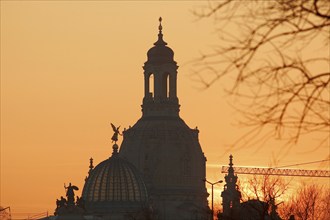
(91, 166)
(231, 160)
(160, 40)
(160, 27)
(231, 168)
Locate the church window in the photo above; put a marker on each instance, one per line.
(151, 85)
(165, 85)
(168, 86)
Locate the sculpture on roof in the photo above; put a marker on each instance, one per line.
(60, 202)
(115, 129)
(70, 193)
(68, 206)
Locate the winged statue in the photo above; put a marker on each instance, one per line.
(70, 193)
(115, 134)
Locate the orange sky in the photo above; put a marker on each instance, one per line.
(69, 68)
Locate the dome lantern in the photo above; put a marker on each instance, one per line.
(160, 80)
(160, 53)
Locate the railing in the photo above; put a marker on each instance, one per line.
(38, 216)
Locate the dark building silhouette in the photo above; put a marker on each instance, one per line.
(231, 195)
(234, 209)
(162, 147)
(159, 170)
(115, 187)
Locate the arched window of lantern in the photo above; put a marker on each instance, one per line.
(166, 85)
(151, 82)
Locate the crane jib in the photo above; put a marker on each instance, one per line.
(278, 171)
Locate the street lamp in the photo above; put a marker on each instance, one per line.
(212, 184)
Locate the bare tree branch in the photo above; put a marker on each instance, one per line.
(267, 47)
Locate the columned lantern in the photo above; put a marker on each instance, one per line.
(162, 146)
(160, 70)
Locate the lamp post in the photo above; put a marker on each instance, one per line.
(212, 184)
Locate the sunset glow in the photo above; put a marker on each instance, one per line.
(70, 68)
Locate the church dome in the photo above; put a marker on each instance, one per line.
(160, 53)
(114, 185)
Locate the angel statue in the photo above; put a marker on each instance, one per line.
(70, 193)
(115, 134)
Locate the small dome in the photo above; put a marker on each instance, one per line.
(160, 53)
(114, 185)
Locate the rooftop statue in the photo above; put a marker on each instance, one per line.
(60, 202)
(68, 206)
(70, 193)
(116, 132)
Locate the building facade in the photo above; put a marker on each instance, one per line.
(161, 145)
(158, 171)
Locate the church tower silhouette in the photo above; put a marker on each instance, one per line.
(163, 101)
(231, 195)
(162, 147)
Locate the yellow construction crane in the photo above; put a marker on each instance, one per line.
(280, 171)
